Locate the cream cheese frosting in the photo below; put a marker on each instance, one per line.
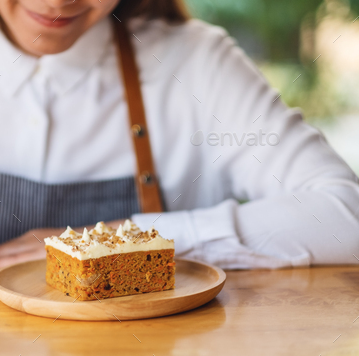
(103, 240)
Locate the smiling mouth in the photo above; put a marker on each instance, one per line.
(57, 21)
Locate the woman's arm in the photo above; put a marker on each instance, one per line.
(30, 246)
(303, 198)
(27, 247)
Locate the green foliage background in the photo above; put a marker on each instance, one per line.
(276, 25)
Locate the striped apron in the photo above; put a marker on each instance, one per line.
(26, 204)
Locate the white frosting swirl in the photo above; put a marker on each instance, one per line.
(69, 233)
(94, 244)
(86, 236)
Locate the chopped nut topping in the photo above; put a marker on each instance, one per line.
(130, 233)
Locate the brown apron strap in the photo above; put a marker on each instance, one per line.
(146, 180)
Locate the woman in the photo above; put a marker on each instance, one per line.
(218, 133)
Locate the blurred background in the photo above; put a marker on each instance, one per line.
(308, 50)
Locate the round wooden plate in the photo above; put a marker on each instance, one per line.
(23, 287)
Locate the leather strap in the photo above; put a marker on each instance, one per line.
(146, 180)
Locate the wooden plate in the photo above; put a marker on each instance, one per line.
(23, 287)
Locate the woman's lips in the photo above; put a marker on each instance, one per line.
(57, 21)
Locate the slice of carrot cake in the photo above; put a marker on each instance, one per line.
(105, 262)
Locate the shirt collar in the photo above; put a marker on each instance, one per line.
(65, 69)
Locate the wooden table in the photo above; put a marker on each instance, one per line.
(287, 312)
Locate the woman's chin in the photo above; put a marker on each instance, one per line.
(38, 28)
(36, 38)
(42, 44)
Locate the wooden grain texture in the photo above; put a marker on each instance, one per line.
(296, 312)
(24, 288)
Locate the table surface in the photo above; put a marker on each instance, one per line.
(306, 311)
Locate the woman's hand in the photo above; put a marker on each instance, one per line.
(27, 247)
(30, 246)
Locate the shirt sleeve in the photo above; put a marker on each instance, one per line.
(303, 199)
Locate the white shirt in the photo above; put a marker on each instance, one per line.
(63, 118)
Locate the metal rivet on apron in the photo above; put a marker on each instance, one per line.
(146, 177)
(138, 130)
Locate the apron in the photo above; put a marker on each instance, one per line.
(26, 204)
